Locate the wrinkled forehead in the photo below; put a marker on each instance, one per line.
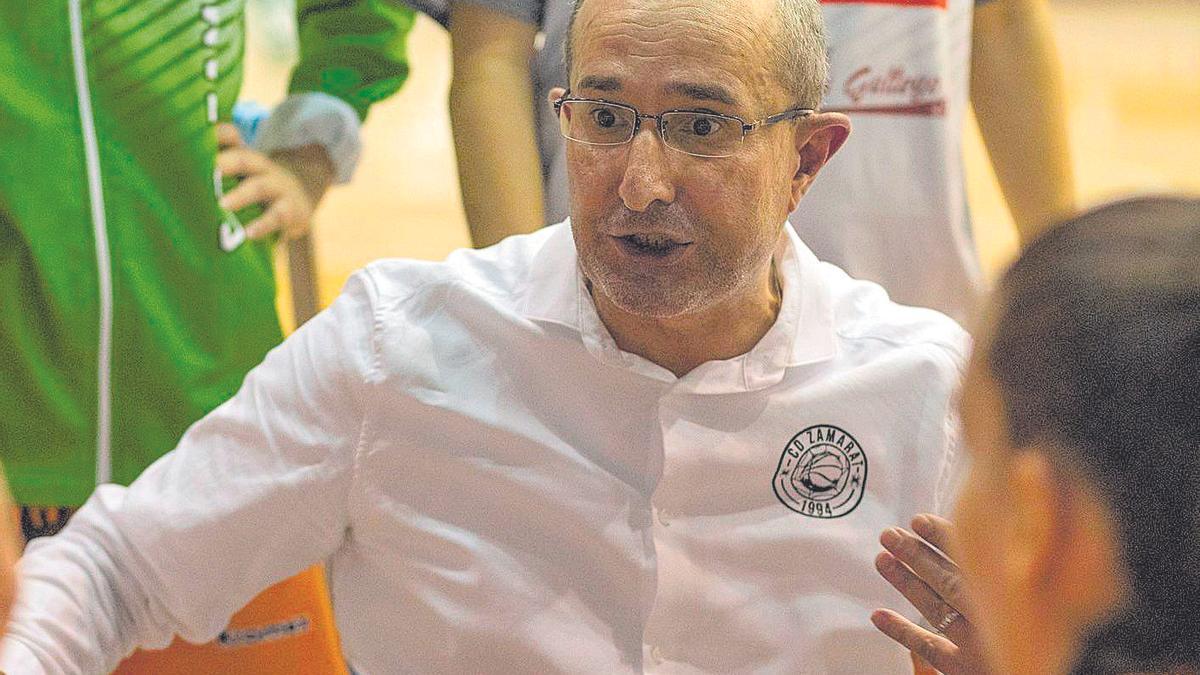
(721, 40)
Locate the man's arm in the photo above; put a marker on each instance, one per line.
(351, 54)
(255, 492)
(355, 50)
(1016, 90)
(491, 112)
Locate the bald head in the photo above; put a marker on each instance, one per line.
(793, 40)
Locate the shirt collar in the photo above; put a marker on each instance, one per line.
(554, 282)
(802, 334)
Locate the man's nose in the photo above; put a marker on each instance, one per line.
(648, 176)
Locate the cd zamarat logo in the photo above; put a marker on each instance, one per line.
(822, 472)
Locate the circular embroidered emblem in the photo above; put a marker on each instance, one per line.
(822, 472)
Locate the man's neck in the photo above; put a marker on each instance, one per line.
(722, 331)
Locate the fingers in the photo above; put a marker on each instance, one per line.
(270, 221)
(287, 206)
(255, 190)
(920, 667)
(228, 136)
(290, 216)
(932, 648)
(942, 575)
(936, 530)
(242, 161)
(281, 210)
(925, 599)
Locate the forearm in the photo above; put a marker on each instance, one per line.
(81, 605)
(1016, 90)
(492, 116)
(498, 167)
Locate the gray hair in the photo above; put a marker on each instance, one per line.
(797, 49)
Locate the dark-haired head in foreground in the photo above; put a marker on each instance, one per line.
(1079, 524)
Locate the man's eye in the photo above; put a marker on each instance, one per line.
(704, 126)
(604, 118)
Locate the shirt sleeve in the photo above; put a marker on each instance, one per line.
(952, 465)
(255, 492)
(352, 49)
(314, 118)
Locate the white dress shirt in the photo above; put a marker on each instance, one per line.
(496, 487)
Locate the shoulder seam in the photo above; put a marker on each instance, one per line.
(957, 350)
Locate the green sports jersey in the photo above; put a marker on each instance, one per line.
(122, 319)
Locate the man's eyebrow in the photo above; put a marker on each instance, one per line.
(600, 83)
(703, 92)
(699, 92)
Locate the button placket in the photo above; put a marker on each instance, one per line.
(665, 514)
(667, 416)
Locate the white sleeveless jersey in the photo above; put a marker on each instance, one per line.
(891, 205)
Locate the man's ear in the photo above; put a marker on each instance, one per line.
(818, 136)
(554, 94)
(1065, 547)
(1037, 521)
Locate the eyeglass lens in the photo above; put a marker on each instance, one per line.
(695, 133)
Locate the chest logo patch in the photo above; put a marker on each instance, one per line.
(822, 472)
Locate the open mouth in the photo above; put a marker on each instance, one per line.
(651, 244)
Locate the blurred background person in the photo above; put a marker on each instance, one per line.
(136, 292)
(505, 56)
(894, 208)
(1078, 526)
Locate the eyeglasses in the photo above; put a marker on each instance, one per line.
(702, 134)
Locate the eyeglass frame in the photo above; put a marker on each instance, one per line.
(747, 127)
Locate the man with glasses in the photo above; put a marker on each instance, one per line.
(905, 71)
(660, 437)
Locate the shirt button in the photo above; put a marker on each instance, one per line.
(664, 517)
(656, 654)
(211, 14)
(211, 37)
(211, 69)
